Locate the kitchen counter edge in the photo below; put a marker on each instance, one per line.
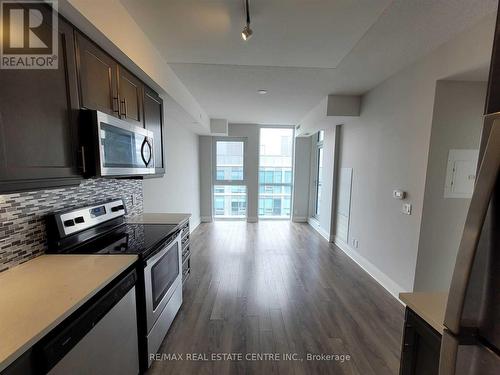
(430, 306)
(116, 268)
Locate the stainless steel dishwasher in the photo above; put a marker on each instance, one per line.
(102, 339)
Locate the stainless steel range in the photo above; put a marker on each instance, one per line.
(101, 229)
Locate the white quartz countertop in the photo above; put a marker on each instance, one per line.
(38, 295)
(159, 218)
(429, 306)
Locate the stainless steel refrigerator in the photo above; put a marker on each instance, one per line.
(471, 340)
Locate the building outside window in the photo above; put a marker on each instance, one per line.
(229, 190)
(275, 172)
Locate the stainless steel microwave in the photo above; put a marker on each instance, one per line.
(114, 147)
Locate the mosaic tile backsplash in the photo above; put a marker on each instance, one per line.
(22, 215)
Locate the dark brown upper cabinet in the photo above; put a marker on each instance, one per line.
(38, 122)
(98, 75)
(153, 121)
(130, 94)
(105, 85)
(39, 110)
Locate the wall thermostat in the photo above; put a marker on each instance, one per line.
(398, 194)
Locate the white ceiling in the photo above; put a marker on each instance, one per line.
(301, 51)
(305, 33)
(479, 74)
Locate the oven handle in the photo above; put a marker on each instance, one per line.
(167, 246)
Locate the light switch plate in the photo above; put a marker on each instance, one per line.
(406, 209)
(398, 194)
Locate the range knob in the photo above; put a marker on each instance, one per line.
(117, 208)
(69, 223)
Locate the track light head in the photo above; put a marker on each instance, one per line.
(246, 33)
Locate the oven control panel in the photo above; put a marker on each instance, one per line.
(74, 221)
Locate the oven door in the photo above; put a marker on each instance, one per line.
(124, 149)
(162, 275)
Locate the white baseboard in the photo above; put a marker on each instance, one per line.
(299, 219)
(206, 219)
(390, 285)
(316, 225)
(252, 219)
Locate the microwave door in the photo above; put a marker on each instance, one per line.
(118, 147)
(124, 149)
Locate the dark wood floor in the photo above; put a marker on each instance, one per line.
(279, 287)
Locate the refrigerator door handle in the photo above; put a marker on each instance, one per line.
(485, 184)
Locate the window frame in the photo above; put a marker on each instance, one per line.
(215, 181)
(319, 145)
(291, 184)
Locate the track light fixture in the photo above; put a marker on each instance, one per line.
(247, 31)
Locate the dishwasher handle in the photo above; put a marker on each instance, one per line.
(59, 343)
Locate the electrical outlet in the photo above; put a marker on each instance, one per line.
(355, 243)
(406, 209)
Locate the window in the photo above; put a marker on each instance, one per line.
(229, 160)
(275, 172)
(318, 180)
(230, 201)
(230, 191)
(219, 205)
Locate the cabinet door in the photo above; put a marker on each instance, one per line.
(98, 77)
(420, 347)
(38, 128)
(130, 92)
(153, 121)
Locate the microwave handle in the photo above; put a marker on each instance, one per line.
(144, 143)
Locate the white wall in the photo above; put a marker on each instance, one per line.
(457, 124)
(302, 161)
(387, 147)
(205, 157)
(179, 189)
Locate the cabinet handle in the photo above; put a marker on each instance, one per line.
(84, 165)
(124, 102)
(115, 99)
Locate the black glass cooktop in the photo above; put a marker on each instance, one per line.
(140, 239)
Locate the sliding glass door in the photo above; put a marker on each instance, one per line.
(275, 173)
